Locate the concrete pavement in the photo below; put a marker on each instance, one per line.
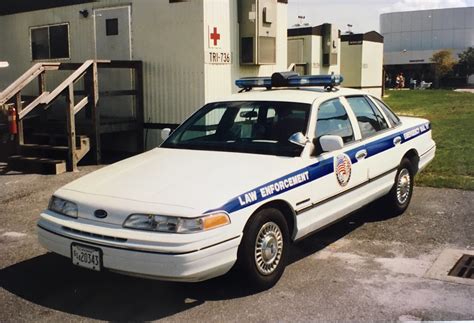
(366, 267)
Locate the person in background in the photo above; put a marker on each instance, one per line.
(402, 81)
(388, 81)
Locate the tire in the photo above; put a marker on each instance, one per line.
(400, 195)
(263, 252)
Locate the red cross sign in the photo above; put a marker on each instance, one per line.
(215, 36)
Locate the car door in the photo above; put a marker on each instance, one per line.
(381, 140)
(334, 173)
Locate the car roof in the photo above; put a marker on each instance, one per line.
(301, 95)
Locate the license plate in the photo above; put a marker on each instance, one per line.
(87, 257)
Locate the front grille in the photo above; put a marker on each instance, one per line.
(93, 235)
(464, 268)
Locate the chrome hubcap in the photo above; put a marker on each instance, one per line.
(403, 186)
(268, 248)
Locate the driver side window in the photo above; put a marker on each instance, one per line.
(333, 120)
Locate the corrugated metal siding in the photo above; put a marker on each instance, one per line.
(173, 73)
(168, 38)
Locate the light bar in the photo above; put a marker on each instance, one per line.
(289, 79)
(251, 82)
(316, 80)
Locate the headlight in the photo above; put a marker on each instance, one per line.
(64, 207)
(161, 223)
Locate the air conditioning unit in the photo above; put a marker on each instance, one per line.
(257, 27)
(330, 43)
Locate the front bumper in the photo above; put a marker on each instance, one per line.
(197, 265)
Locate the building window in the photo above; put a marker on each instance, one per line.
(50, 42)
(111, 27)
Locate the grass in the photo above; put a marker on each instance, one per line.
(452, 119)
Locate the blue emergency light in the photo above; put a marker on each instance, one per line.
(289, 79)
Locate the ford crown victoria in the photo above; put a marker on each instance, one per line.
(239, 181)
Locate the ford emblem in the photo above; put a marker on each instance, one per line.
(100, 214)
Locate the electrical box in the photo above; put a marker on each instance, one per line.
(257, 29)
(330, 43)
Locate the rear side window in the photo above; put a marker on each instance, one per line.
(370, 120)
(394, 119)
(333, 120)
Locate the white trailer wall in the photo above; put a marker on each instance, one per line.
(167, 37)
(170, 38)
(362, 62)
(220, 78)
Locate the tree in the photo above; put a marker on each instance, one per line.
(466, 61)
(443, 64)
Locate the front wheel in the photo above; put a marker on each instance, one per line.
(263, 252)
(400, 195)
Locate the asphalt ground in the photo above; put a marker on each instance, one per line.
(368, 266)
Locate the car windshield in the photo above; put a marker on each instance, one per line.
(257, 127)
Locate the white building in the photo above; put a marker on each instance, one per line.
(314, 49)
(362, 61)
(322, 50)
(412, 37)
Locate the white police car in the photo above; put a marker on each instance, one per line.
(240, 180)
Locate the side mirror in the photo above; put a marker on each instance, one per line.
(331, 143)
(298, 139)
(165, 133)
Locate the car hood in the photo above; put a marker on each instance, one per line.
(181, 181)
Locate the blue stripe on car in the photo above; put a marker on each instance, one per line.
(320, 169)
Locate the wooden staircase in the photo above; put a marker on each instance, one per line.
(49, 155)
(58, 147)
(52, 156)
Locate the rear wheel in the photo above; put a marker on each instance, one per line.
(400, 195)
(263, 252)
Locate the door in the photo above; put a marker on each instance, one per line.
(336, 174)
(113, 42)
(349, 167)
(112, 33)
(381, 142)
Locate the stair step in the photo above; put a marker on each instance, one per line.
(45, 151)
(36, 164)
(44, 147)
(56, 139)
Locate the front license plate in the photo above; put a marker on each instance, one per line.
(87, 257)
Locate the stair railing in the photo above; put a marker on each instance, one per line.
(89, 72)
(45, 98)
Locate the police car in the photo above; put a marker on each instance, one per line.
(239, 181)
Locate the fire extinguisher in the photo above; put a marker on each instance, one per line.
(13, 127)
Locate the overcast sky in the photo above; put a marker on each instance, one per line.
(362, 14)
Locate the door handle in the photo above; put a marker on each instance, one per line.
(361, 154)
(397, 140)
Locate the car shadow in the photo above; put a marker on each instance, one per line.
(374, 212)
(52, 281)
